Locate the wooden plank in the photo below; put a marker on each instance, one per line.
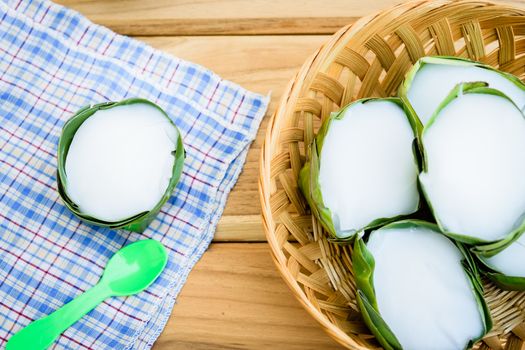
(240, 228)
(225, 17)
(235, 299)
(261, 64)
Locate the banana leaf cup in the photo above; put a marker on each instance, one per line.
(139, 221)
(309, 178)
(467, 186)
(431, 79)
(416, 287)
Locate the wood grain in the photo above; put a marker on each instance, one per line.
(226, 26)
(235, 299)
(224, 17)
(261, 64)
(240, 228)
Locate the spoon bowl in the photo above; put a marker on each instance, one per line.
(133, 268)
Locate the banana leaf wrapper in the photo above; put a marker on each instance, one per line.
(363, 265)
(309, 174)
(136, 223)
(490, 248)
(444, 60)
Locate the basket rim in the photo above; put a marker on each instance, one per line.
(319, 61)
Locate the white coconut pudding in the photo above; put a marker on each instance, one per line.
(120, 161)
(436, 77)
(367, 166)
(475, 161)
(421, 288)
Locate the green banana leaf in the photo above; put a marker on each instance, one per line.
(481, 245)
(139, 222)
(363, 266)
(500, 279)
(506, 282)
(309, 175)
(444, 60)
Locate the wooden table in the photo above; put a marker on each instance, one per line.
(234, 298)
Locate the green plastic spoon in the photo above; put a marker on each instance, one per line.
(131, 270)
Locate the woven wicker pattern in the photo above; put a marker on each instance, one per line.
(370, 58)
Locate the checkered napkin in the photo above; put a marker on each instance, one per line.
(53, 61)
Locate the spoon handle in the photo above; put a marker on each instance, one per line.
(40, 334)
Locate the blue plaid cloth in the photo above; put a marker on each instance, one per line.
(53, 61)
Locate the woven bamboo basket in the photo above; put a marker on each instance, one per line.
(370, 58)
